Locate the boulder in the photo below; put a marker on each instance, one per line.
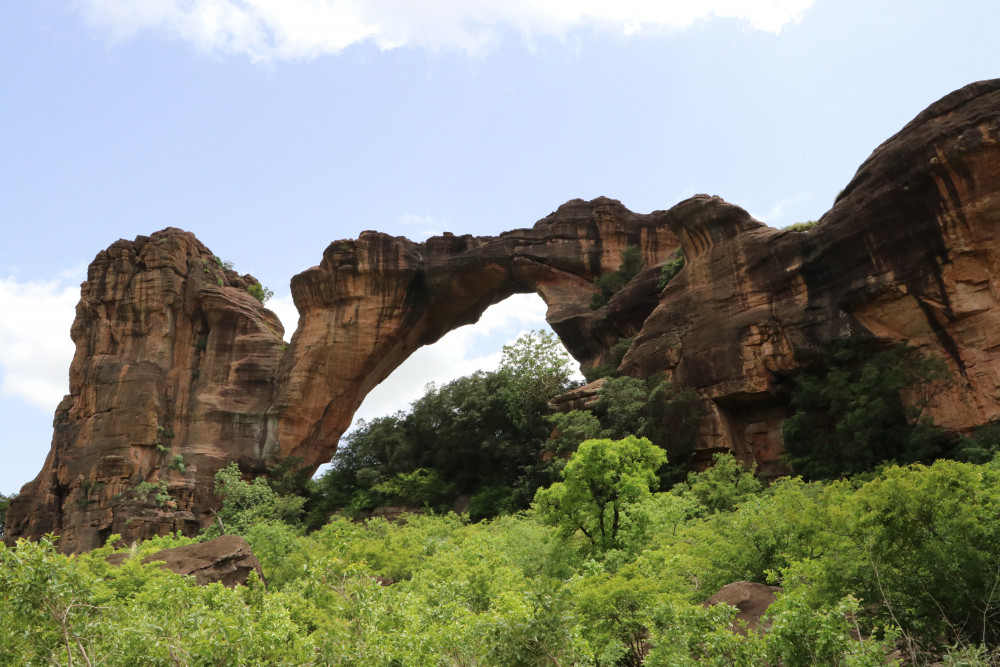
(226, 559)
(750, 599)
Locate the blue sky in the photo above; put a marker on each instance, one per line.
(272, 127)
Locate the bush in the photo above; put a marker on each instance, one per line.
(611, 283)
(259, 292)
(671, 269)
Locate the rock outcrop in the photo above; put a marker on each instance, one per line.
(179, 371)
(175, 359)
(227, 560)
(908, 253)
(751, 601)
(172, 379)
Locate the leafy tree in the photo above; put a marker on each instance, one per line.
(721, 487)
(650, 408)
(571, 428)
(599, 482)
(850, 415)
(247, 503)
(981, 445)
(533, 369)
(483, 431)
(422, 486)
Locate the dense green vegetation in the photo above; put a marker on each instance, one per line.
(4, 504)
(849, 412)
(671, 269)
(909, 558)
(802, 226)
(482, 436)
(585, 542)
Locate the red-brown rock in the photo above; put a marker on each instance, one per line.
(907, 254)
(750, 599)
(174, 358)
(227, 560)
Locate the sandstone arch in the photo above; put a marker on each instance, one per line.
(173, 357)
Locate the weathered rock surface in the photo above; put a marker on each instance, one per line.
(174, 358)
(372, 302)
(227, 559)
(909, 252)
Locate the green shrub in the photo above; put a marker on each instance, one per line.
(849, 413)
(617, 353)
(156, 491)
(980, 446)
(802, 226)
(671, 269)
(611, 283)
(259, 292)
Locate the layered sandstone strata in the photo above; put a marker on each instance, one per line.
(179, 371)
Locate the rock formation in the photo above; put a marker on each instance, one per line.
(908, 253)
(179, 371)
(751, 601)
(173, 359)
(227, 560)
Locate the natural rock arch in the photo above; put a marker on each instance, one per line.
(375, 300)
(174, 357)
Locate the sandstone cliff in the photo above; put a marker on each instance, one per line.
(175, 359)
(909, 252)
(178, 370)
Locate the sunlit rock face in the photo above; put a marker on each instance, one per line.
(909, 252)
(178, 370)
(173, 359)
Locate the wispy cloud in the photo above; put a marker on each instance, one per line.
(269, 30)
(425, 225)
(35, 347)
(778, 214)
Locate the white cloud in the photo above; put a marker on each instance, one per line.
(284, 308)
(269, 30)
(777, 215)
(35, 347)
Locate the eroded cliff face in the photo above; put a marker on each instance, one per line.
(909, 253)
(179, 371)
(175, 359)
